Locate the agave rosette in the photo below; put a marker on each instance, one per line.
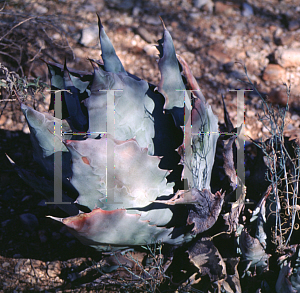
(145, 147)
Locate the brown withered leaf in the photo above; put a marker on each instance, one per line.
(232, 282)
(206, 257)
(232, 218)
(204, 207)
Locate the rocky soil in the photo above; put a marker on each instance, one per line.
(216, 38)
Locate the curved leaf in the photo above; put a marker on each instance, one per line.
(112, 62)
(204, 208)
(132, 107)
(89, 159)
(171, 85)
(99, 228)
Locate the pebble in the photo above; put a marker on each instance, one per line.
(149, 19)
(294, 25)
(89, 36)
(53, 269)
(26, 129)
(120, 4)
(287, 57)
(199, 3)
(9, 122)
(5, 264)
(2, 119)
(148, 37)
(231, 42)
(286, 39)
(29, 221)
(223, 9)
(247, 10)
(250, 113)
(273, 72)
(40, 9)
(207, 5)
(89, 7)
(219, 56)
(136, 11)
(151, 50)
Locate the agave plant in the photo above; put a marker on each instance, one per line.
(147, 135)
(160, 141)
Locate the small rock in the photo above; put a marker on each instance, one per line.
(5, 264)
(219, 56)
(151, 50)
(273, 72)
(145, 34)
(294, 25)
(2, 119)
(295, 117)
(206, 5)
(199, 3)
(250, 113)
(26, 129)
(287, 57)
(247, 10)
(120, 4)
(216, 28)
(9, 122)
(29, 221)
(88, 8)
(40, 9)
(136, 11)
(232, 42)
(225, 9)
(286, 39)
(154, 20)
(53, 269)
(195, 15)
(89, 36)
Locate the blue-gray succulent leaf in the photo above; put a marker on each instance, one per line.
(111, 61)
